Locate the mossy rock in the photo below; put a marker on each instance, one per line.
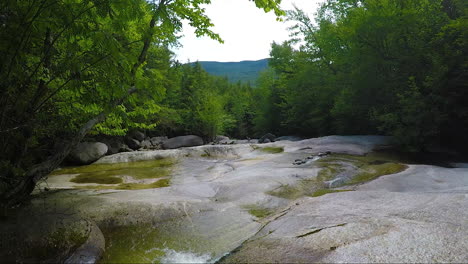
(272, 150)
(258, 211)
(112, 173)
(368, 167)
(130, 186)
(363, 169)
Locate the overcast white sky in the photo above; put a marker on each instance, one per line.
(246, 30)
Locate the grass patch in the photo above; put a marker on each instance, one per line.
(130, 186)
(325, 191)
(272, 150)
(258, 211)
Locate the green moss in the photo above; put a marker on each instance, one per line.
(50, 247)
(148, 243)
(257, 211)
(272, 150)
(359, 168)
(328, 171)
(129, 186)
(109, 173)
(369, 167)
(100, 179)
(140, 186)
(325, 191)
(132, 244)
(301, 189)
(370, 172)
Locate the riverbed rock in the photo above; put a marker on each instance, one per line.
(51, 237)
(87, 152)
(114, 144)
(234, 197)
(182, 141)
(157, 141)
(91, 250)
(290, 138)
(146, 144)
(267, 138)
(221, 140)
(132, 143)
(365, 227)
(138, 135)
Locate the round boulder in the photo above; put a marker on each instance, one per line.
(267, 138)
(182, 141)
(87, 152)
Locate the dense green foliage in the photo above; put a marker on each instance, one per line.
(243, 71)
(376, 66)
(205, 105)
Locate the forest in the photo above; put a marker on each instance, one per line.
(81, 68)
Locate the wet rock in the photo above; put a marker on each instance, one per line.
(337, 182)
(87, 152)
(52, 237)
(182, 141)
(323, 154)
(91, 250)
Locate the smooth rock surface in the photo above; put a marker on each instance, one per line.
(222, 196)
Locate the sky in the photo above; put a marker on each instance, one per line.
(247, 31)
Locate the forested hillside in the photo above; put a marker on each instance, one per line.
(392, 67)
(243, 71)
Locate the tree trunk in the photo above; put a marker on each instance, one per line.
(27, 183)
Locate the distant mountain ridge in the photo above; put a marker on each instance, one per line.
(244, 71)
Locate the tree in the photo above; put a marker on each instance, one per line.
(78, 62)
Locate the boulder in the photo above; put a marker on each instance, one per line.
(290, 138)
(182, 141)
(146, 144)
(156, 141)
(140, 136)
(91, 250)
(125, 148)
(221, 140)
(269, 136)
(87, 152)
(132, 143)
(114, 145)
